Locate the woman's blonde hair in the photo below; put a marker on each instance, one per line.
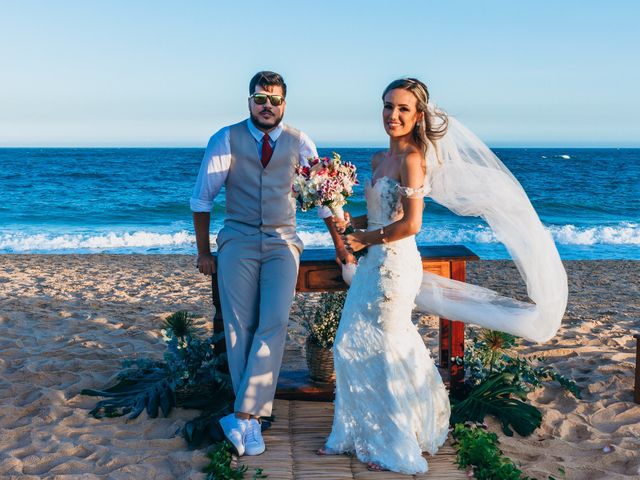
(435, 122)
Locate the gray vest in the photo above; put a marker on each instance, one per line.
(258, 199)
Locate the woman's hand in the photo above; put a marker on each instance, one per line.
(344, 256)
(356, 241)
(342, 223)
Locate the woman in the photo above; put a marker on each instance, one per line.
(391, 404)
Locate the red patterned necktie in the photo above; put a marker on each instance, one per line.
(267, 151)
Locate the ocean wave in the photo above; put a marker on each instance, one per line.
(625, 233)
(183, 241)
(622, 234)
(126, 242)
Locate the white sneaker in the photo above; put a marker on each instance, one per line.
(253, 442)
(234, 429)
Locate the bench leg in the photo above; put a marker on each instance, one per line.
(636, 390)
(218, 325)
(452, 337)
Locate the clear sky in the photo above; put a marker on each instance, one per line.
(170, 73)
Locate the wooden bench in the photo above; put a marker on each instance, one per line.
(320, 273)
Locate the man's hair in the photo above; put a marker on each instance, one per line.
(267, 79)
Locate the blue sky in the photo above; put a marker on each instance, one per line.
(160, 73)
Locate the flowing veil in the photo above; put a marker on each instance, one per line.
(466, 177)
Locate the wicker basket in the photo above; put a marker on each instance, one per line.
(320, 363)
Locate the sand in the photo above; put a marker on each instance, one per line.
(66, 323)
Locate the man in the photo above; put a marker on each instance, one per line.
(258, 248)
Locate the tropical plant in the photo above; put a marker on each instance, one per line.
(498, 381)
(192, 375)
(498, 396)
(492, 346)
(322, 322)
(220, 465)
(143, 384)
(477, 450)
(491, 352)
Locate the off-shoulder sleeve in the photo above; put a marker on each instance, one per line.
(412, 192)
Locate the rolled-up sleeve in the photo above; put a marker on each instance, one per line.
(213, 172)
(308, 150)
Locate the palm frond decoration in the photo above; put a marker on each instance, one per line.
(180, 324)
(192, 375)
(498, 396)
(493, 346)
(148, 387)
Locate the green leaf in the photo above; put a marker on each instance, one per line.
(495, 396)
(478, 449)
(165, 402)
(153, 403)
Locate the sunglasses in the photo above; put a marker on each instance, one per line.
(261, 99)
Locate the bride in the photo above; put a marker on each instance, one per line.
(391, 404)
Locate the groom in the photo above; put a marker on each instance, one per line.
(258, 248)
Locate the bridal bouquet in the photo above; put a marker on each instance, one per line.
(326, 181)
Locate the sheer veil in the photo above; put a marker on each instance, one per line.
(466, 177)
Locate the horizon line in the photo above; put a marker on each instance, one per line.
(326, 146)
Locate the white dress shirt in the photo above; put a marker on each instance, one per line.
(217, 158)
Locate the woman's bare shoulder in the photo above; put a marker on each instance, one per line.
(377, 158)
(413, 169)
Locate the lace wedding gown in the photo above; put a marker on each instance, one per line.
(391, 403)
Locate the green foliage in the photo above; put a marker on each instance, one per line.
(148, 386)
(478, 449)
(192, 375)
(322, 323)
(498, 396)
(498, 381)
(219, 467)
(179, 325)
(492, 346)
(494, 352)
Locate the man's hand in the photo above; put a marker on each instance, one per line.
(206, 263)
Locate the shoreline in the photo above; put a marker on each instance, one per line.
(68, 320)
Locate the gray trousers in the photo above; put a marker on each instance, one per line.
(256, 278)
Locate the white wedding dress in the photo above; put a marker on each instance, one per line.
(391, 403)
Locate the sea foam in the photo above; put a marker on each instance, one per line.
(126, 242)
(183, 241)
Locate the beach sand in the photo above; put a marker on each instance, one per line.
(67, 322)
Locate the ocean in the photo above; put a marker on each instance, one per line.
(136, 200)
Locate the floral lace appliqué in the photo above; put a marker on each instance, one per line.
(412, 192)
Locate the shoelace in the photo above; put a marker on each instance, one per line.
(251, 432)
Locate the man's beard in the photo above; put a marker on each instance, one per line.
(258, 122)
